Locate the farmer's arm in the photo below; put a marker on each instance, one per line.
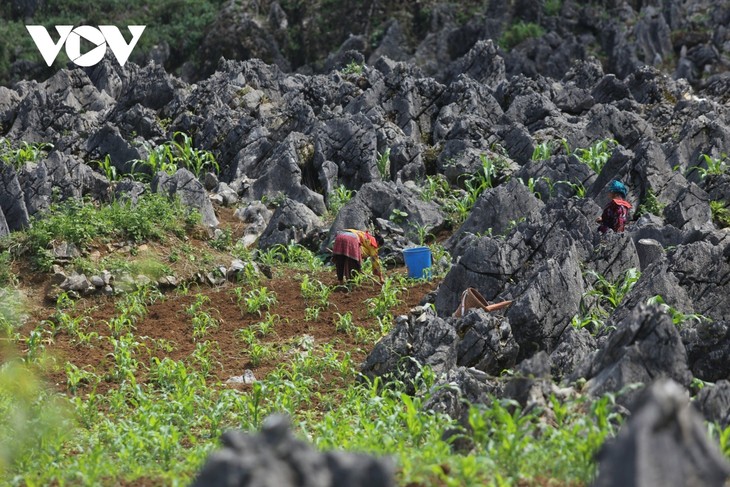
(372, 252)
(376, 267)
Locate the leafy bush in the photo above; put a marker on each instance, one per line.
(178, 152)
(650, 205)
(80, 223)
(6, 273)
(35, 422)
(596, 155)
(518, 32)
(25, 152)
(715, 166)
(720, 213)
(339, 198)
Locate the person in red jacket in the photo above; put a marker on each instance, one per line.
(616, 213)
(349, 249)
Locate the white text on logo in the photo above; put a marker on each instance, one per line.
(101, 37)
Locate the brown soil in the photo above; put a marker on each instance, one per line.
(167, 321)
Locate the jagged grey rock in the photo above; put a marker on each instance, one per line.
(12, 200)
(645, 345)
(557, 177)
(384, 200)
(664, 442)
(708, 353)
(713, 401)
(291, 222)
(692, 279)
(412, 345)
(191, 192)
(691, 210)
(275, 458)
(486, 342)
(575, 347)
(62, 175)
(545, 301)
(4, 230)
(282, 173)
(532, 382)
(497, 210)
(649, 251)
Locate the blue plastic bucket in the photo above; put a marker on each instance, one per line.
(418, 261)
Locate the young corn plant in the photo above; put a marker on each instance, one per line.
(267, 325)
(339, 198)
(596, 155)
(203, 323)
(26, 152)
(542, 152)
(124, 357)
(607, 296)
(679, 319)
(383, 164)
(312, 313)
(434, 187)
(720, 213)
(715, 165)
(195, 160)
(344, 323)
(257, 300)
(386, 300)
(260, 352)
(75, 377)
(610, 294)
(315, 291)
(108, 169)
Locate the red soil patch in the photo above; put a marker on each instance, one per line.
(167, 322)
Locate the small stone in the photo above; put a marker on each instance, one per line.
(76, 282)
(248, 377)
(142, 280)
(65, 252)
(97, 281)
(58, 277)
(107, 276)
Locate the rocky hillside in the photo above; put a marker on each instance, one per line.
(500, 127)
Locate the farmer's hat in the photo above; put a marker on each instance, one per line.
(618, 187)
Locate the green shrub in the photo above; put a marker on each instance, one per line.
(720, 213)
(339, 198)
(24, 152)
(80, 223)
(596, 155)
(518, 32)
(650, 205)
(7, 277)
(715, 166)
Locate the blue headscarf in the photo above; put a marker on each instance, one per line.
(618, 188)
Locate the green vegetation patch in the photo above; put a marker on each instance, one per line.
(519, 32)
(80, 223)
(179, 23)
(720, 213)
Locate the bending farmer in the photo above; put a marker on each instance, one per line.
(348, 251)
(616, 212)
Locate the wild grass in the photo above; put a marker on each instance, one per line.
(81, 222)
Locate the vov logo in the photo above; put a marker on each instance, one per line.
(71, 37)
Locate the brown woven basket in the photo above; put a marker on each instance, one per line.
(471, 298)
